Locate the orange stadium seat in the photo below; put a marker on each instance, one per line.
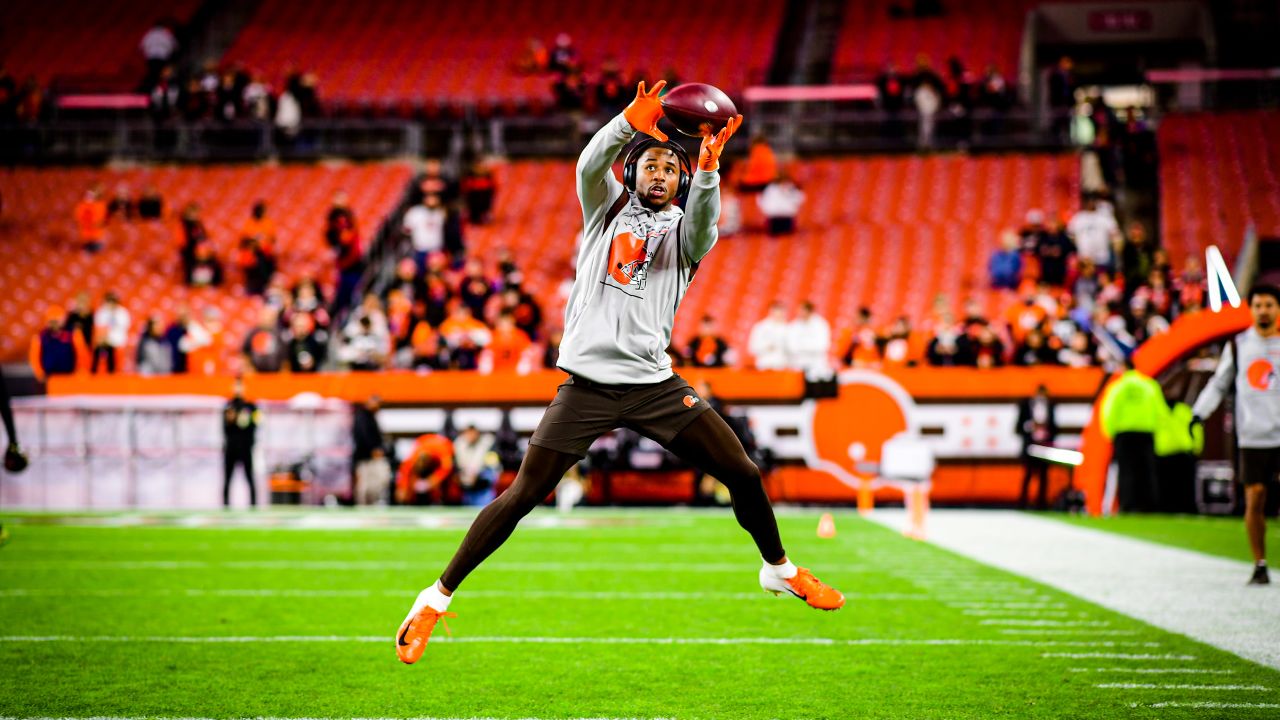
(68, 38)
(464, 52)
(887, 232)
(45, 265)
(1218, 174)
(979, 33)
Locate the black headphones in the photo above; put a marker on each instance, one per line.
(633, 158)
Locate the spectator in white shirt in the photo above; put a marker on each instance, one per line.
(425, 224)
(809, 343)
(477, 465)
(768, 341)
(1096, 234)
(110, 332)
(158, 46)
(780, 202)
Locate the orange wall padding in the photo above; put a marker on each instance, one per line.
(470, 388)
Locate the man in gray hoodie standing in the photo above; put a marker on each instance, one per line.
(639, 253)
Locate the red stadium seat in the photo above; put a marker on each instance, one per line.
(464, 52)
(44, 264)
(1219, 174)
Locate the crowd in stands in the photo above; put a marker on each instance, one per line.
(944, 101)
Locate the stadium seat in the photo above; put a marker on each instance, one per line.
(44, 264)
(1219, 174)
(464, 52)
(887, 232)
(99, 39)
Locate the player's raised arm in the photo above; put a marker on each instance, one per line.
(702, 212)
(597, 187)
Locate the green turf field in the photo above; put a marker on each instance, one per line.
(635, 614)
(1222, 536)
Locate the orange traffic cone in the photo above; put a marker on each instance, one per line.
(826, 526)
(866, 498)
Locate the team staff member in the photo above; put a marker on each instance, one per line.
(1132, 410)
(239, 429)
(1249, 364)
(639, 253)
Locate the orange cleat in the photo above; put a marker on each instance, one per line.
(414, 633)
(804, 586)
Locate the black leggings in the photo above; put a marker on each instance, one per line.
(707, 443)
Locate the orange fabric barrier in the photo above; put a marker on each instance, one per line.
(469, 388)
(1154, 356)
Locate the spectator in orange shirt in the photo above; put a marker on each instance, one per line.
(709, 348)
(1023, 317)
(465, 336)
(257, 254)
(902, 346)
(91, 218)
(762, 166)
(509, 344)
(203, 344)
(57, 349)
(422, 474)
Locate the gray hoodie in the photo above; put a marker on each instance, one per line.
(633, 273)
(1257, 387)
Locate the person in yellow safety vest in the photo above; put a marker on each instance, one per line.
(1178, 444)
(1133, 408)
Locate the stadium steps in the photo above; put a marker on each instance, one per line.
(141, 258)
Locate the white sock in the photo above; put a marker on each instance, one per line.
(785, 571)
(433, 597)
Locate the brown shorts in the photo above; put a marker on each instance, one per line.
(584, 410)
(1259, 466)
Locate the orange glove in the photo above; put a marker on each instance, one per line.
(713, 145)
(644, 112)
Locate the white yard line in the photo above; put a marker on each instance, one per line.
(1178, 686)
(410, 593)
(243, 639)
(1153, 671)
(1182, 591)
(1117, 656)
(1208, 705)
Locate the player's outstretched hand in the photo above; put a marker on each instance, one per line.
(713, 145)
(644, 112)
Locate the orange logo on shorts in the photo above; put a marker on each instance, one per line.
(1261, 374)
(690, 401)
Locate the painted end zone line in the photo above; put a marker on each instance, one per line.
(570, 640)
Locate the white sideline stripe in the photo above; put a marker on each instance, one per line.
(1181, 591)
(407, 593)
(1046, 623)
(1178, 686)
(1155, 671)
(566, 640)
(1206, 705)
(1118, 656)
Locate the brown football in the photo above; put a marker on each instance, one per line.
(691, 106)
